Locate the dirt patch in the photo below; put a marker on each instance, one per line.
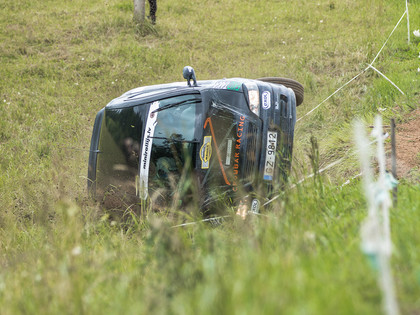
(407, 139)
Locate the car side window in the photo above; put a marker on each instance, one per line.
(174, 137)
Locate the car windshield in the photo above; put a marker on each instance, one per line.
(172, 131)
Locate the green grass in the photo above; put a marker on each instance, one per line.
(62, 61)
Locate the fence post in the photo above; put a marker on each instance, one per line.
(139, 9)
(394, 161)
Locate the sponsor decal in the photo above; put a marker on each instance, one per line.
(266, 100)
(205, 152)
(234, 86)
(147, 150)
(255, 206)
(227, 85)
(239, 135)
(229, 152)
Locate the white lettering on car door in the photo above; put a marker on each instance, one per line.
(147, 150)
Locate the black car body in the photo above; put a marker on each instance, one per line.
(225, 139)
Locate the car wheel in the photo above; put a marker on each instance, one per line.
(290, 83)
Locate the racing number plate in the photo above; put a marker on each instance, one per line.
(270, 155)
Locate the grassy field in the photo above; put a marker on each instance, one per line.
(62, 61)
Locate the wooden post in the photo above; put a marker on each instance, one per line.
(139, 10)
(394, 161)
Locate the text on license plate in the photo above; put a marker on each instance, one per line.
(270, 155)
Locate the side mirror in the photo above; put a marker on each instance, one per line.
(189, 74)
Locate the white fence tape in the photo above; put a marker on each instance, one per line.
(214, 220)
(408, 20)
(383, 46)
(313, 109)
(370, 66)
(384, 76)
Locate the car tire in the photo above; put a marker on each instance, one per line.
(289, 83)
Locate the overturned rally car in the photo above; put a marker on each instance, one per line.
(213, 142)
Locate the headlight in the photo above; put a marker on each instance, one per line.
(253, 97)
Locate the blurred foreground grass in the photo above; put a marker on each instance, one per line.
(303, 257)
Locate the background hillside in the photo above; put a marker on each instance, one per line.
(62, 61)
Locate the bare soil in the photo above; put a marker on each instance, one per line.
(407, 139)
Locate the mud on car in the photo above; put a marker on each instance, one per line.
(213, 143)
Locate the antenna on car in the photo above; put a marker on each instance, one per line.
(189, 74)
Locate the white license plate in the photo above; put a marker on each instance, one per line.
(270, 155)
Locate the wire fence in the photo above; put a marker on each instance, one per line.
(370, 66)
